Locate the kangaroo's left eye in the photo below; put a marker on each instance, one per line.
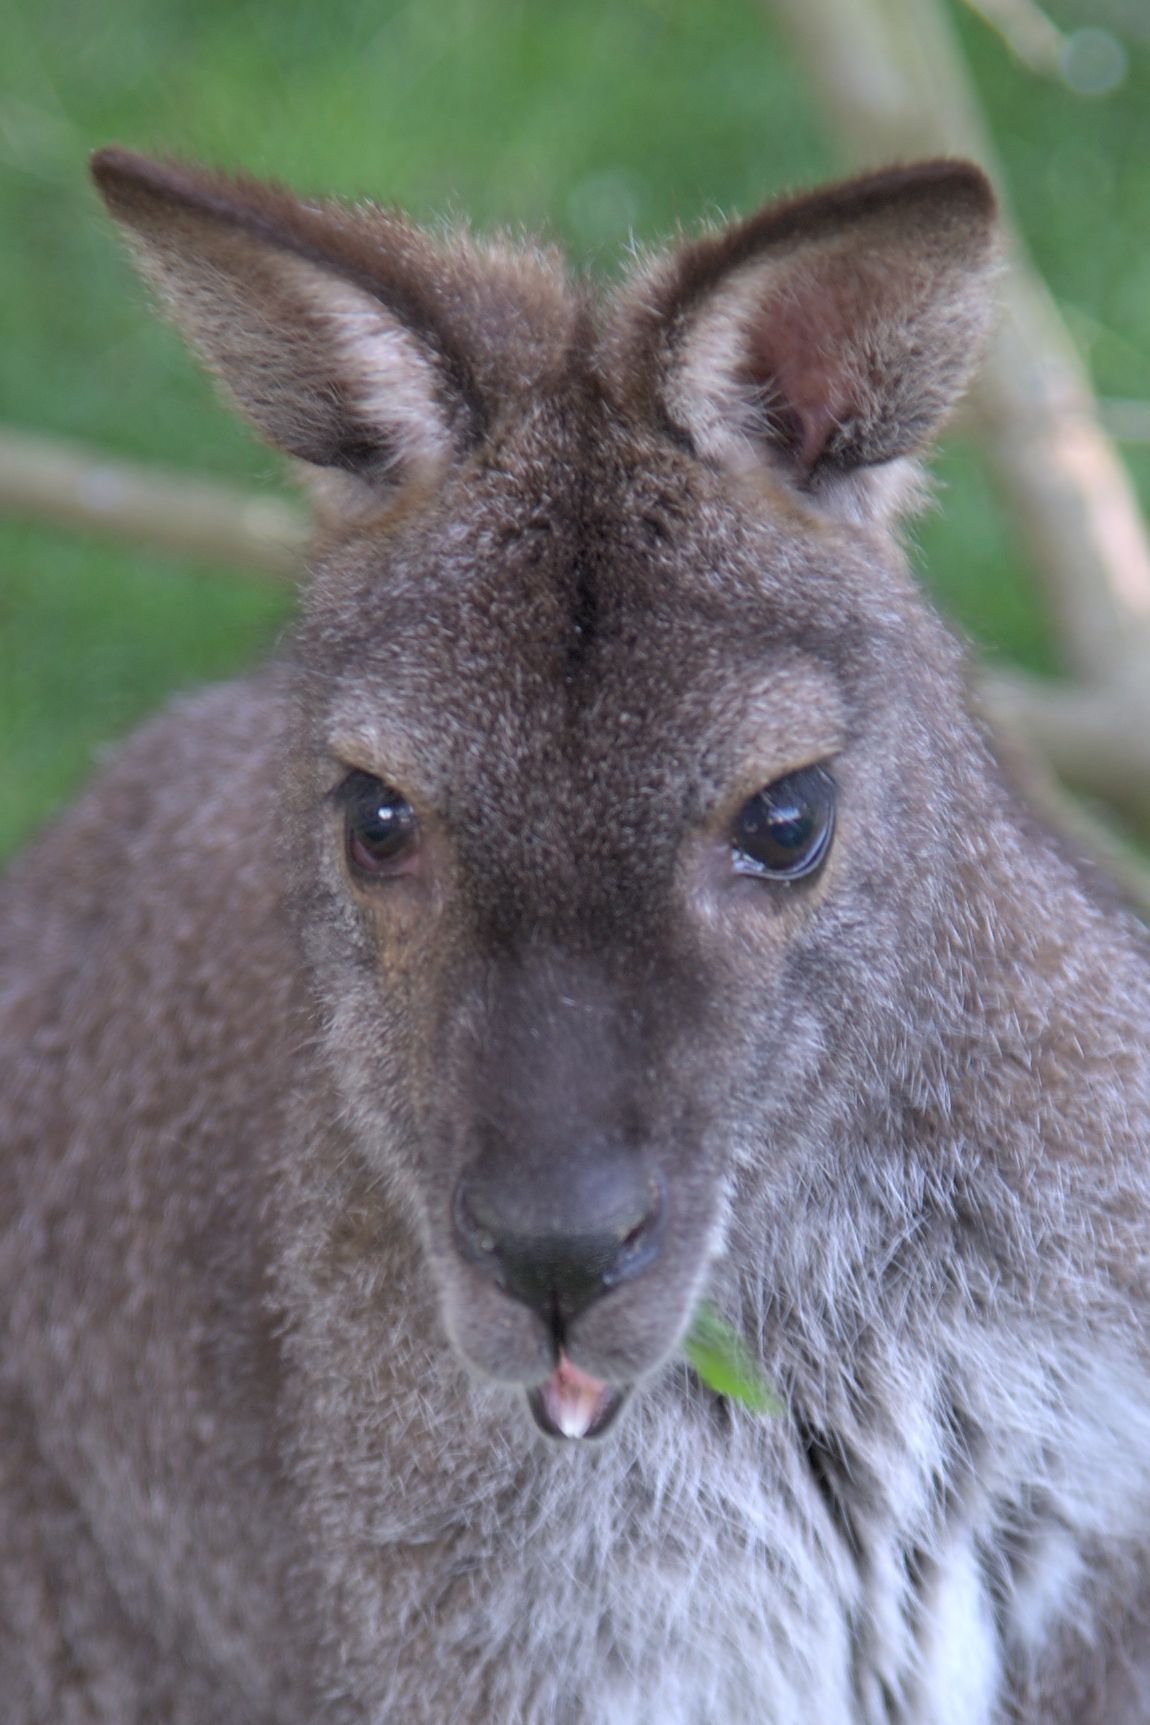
(785, 831)
(380, 825)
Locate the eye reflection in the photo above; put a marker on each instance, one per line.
(380, 825)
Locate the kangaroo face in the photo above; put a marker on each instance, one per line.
(594, 792)
(614, 753)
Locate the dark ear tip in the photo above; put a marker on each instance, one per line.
(947, 201)
(966, 183)
(120, 174)
(128, 179)
(140, 190)
(947, 182)
(113, 163)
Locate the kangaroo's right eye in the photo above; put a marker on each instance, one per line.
(380, 825)
(785, 831)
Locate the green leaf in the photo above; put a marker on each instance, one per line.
(726, 1365)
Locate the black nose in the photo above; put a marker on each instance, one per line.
(560, 1257)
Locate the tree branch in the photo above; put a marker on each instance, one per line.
(71, 487)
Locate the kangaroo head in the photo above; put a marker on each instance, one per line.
(621, 807)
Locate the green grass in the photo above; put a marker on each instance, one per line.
(99, 637)
(592, 119)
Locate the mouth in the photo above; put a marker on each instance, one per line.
(573, 1404)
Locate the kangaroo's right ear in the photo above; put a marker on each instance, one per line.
(827, 337)
(337, 331)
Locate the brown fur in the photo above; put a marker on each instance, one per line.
(589, 578)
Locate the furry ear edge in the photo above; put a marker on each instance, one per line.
(828, 336)
(320, 321)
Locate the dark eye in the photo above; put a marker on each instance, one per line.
(785, 831)
(380, 825)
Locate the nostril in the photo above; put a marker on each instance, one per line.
(640, 1244)
(476, 1231)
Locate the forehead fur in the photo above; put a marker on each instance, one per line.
(580, 580)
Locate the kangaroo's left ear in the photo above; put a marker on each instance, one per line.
(828, 335)
(368, 349)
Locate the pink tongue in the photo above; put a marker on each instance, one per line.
(573, 1399)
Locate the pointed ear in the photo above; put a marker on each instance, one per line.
(828, 336)
(329, 327)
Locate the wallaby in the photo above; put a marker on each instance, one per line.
(607, 905)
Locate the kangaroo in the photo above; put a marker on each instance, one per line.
(605, 904)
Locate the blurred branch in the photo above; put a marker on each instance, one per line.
(1097, 740)
(891, 82)
(70, 487)
(1070, 494)
(1029, 34)
(1095, 837)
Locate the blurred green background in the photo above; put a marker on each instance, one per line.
(590, 119)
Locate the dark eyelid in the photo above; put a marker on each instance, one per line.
(355, 779)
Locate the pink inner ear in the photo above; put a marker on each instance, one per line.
(803, 354)
(815, 410)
